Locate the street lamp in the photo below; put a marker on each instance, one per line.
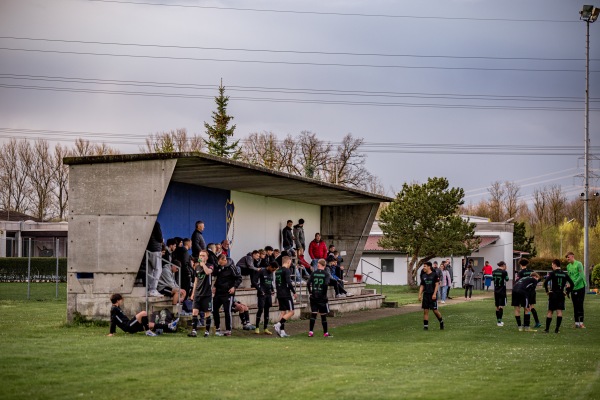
(589, 14)
(561, 235)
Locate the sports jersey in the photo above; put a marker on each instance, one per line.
(428, 282)
(524, 273)
(556, 281)
(265, 283)
(118, 318)
(283, 282)
(204, 285)
(318, 284)
(575, 270)
(499, 277)
(525, 285)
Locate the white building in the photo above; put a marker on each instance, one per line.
(389, 267)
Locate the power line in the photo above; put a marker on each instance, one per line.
(298, 101)
(334, 13)
(262, 89)
(387, 66)
(145, 45)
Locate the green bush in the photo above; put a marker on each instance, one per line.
(42, 268)
(541, 264)
(596, 276)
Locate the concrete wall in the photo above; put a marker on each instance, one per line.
(258, 221)
(113, 208)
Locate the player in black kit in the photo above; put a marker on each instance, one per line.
(500, 277)
(430, 283)
(264, 293)
(318, 283)
(523, 273)
(202, 293)
(285, 289)
(555, 285)
(522, 292)
(137, 324)
(227, 280)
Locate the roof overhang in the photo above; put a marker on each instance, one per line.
(220, 173)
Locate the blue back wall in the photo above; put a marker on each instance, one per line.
(185, 204)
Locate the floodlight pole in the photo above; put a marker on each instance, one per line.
(586, 192)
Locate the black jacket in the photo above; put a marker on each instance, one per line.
(226, 278)
(156, 239)
(198, 243)
(288, 238)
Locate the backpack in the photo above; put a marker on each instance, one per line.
(163, 316)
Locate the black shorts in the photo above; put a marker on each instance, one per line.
(203, 303)
(500, 299)
(167, 291)
(286, 303)
(532, 299)
(428, 303)
(320, 306)
(519, 300)
(556, 301)
(265, 301)
(134, 327)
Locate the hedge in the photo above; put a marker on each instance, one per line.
(542, 264)
(596, 276)
(42, 269)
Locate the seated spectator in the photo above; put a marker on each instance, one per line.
(268, 257)
(276, 254)
(167, 283)
(340, 268)
(243, 309)
(249, 265)
(138, 324)
(303, 263)
(337, 283)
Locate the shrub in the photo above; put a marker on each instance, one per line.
(42, 268)
(541, 264)
(596, 276)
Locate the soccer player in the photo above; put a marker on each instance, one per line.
(500, 277)
(430, 283)
(138, 324)
(577, 274)
(318, 283)
(202, 293)
(523, 273)
(285, 290)
(555, 284)
(264, 293)
(522, 292)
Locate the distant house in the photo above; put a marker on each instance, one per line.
(18, 231)
(389, 267)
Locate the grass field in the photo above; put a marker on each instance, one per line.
(405, 295)
(43, 358)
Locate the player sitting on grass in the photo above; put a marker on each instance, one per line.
(138, 324)
(430, 282)
(555, 285)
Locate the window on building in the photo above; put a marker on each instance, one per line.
(387, 265)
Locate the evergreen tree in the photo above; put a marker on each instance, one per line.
(219, 133)
(522, 242)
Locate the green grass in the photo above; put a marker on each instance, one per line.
(43, 358)
(405, 295)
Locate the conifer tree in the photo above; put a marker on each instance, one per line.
(220, 132)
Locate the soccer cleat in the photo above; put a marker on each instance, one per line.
(500, 323)
(327, 334)
(581, 326)
(425, 328)
(537, 325)
(283, 334)
(442, 325)
(267, 332)
(556, 331)
(526, 329)
(257, 331)
(277, 328)
(311, 334)
(150, 333)
(226, 333)
(520, 329)
(546, 331)
(192, 334)
(173, 324)
(206, 333)
(219, 333)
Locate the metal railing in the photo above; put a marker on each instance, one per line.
(368, 275)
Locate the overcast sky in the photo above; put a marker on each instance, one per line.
(433, 87)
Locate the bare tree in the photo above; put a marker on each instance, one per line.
(540, 207)
(262, 149)
(61, 181)
(83, 148)
(556, 200)
(347, 166)
(496, 191)
(40, 174)
(511, 199)
(312, 157)
(172, 141)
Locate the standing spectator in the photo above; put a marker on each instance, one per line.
(521, 294)
(468, 277)
(555, 285)
(169, 254)
(198, 242)
(187, 268)
(225, 247)
(228, 280)
(577, 275)
(500, 277)
(318, 284)
(523, 273)
(317, 249)
(444, 283)
(299, 238)
(451, 272)
(287, 236)
(285, 290)
(202, 293)
(264, 293)
(154, 259)
(167, 284)
(428, 294)
(213, 256)
(487, 275)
